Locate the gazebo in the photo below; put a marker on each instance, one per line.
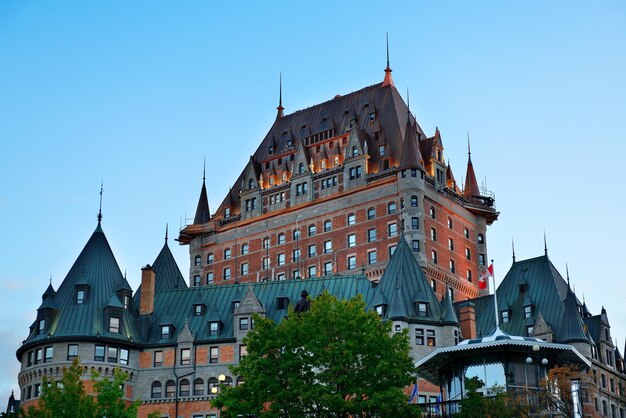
(525, 361)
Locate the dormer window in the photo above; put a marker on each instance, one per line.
(380, 310)
(282, 302)
(250, 183)
(80, 297)
(271, 149)
(528, 311)
(289, 143)
(198, 309)
(523, 287)
(166, 332)
(301, 168)
(214, 329)
(114, 324)
(530, 330)
(355, 151)
(126, 299)
(372, 117)
(227, 212)
(381, 150)
(41, 326)
(422, 309)
(504, 315)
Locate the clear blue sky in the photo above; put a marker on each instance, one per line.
(137, 93)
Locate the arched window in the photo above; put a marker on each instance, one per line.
(413, 201)
(198, 387)
(213, 385)
(228, 381)
(197, 260)
(240, 381)
(480, 238)
(156, 390)
(391, 208)
(183, 388)
(170, 389)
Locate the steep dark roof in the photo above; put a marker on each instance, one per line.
(203, 215)
(338, 113)
(573, 329)
(471, 185)
(96, 268)
(448, 315)
(545, 289)
(403, 283)
(167, 274)
(174, 307)
(411, 157)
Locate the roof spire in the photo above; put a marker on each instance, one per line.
(100, 209)
(513, 248)
(280, 97)
(388, 81)
(166, 230)
(469, 149)
(408, 103)
(203, 215)
(545, 243)
(567, 273)
(471, 185)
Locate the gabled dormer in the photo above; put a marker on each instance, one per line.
(282, 299)
(380, 303)
(356, 159)
(301, 161)
(113, 316)
(243, 315)
(166, 328)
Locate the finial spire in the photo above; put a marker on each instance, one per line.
(469, 149)
(388, 81)
(513, 248)
(408, 103)
(204, 170)
(545, 243)
(100, 209)
(280, 107)
(166, 230)
(51, 279)
(567, 272)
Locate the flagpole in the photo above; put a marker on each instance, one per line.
(495, 297)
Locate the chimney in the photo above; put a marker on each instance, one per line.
(467, 317)
(146, 304)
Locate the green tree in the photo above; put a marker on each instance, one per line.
(475, 405)
(335, 360)
(68, 399)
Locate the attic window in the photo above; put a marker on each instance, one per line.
(505, 316)
(214, 329)
(270, 150)
(380, 310)
(42, 326)
(114, 324)
(198, 310)
(372, 117)
(528, 311)
(282, 302)
(165, 332)
(289, 143)
(523, 287)
(80, 297)
(422, 309)
(227, 212)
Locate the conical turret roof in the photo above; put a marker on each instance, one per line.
(203, 215)
(573, 328)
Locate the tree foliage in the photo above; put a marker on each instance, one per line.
(502, 405)
(335, 360)
(556, 392)
(68, 398)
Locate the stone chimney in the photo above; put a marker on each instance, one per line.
(467, 317)
(146, 304)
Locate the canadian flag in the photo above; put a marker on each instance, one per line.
(484, 278)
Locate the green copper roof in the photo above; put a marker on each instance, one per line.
(573, 329)
(96, 271)
(167, 274)
(175, 306)
(402, 284)
(449, 314)
(533, 282)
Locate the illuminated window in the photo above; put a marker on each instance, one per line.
(430, 338)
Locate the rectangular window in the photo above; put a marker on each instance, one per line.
(433, 256)
(450, 223)
(214, 329)
(371, 257)
(312, 250)
(214, 353)
(415, 222)
(450, 244)
(422, 309)
(209, 278)
(37, 390)
(243, 324)
(209, 258)
(468, 275)
(481, 259)
(352, 262)
(196, 280)
(392, 249)
(528, 311)
(392, 229)
(351, 219)
(311, 230)
(42, 326)
(433, 234)
(312, 271)
(158, 358)
(415, 246)
(72, 352)
(48, 353)
(185, 356)
(352, 240)
(99, 353)
(328, 226)
(80, 297)
(295, 254)
(371, 214)
(391, 208)
(30, 358)
(452, 266)
(266, 243)
(419, 336)
(466, 232)
(124, 356)
(328, 247)
(371, 235)
(244, 269)
(280, 259)
(112, 354)
(468, 254)
(245, 248)
(227, 253)
(430, 338)
(243, 350)
(226, 273)
(328, 268)
(165, 332)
